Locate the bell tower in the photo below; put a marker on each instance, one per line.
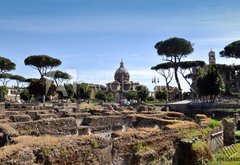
(212, 57)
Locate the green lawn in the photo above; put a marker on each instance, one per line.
(227, 161)
(155, 103)
(229, 109)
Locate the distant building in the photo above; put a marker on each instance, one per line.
(118, 87)
(229, 77)
(11, 94)
(212, 57)
(121, 83)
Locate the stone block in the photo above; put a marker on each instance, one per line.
(20, 118)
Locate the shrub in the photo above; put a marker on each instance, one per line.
(24, 95)
(161, 95)
(100, 95)
(109, 97)
(131, 95)
(150, 98)
(3, 93)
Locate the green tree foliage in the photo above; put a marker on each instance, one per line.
(131, 95)
(66, 91)
(161, 95)
(29, 80)
(150, 98)
(142, 92)
(19, 79)
(5, 78)
(3, 93)
(231, 50)
(83, 91)
(43, 63)
(42, 87)
(223, 67)
(230, 76)
(100, 95)
(109, 97)
(70, 90)
(174, 49)
(6, 65)
(186, 69)
(210, 83)
(24, 95)
(58, 76)
(191, 64)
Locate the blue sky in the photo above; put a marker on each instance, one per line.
(91, 36)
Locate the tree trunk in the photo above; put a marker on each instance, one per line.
(16, 95)
(167, 85)
(177, 81)
(17, 91)
(43, 99)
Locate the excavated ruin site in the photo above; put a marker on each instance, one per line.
(103, 134)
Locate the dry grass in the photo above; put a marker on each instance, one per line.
(27, 141)
(201, 116)
(181, 125)
(138, 131)
(137, 115)
(32, 141)
(8, 130)
(89, 106)
(202, 150)
(205, 122)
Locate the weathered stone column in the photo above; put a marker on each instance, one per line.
(229, 129)
(184, 154)
(2, 108)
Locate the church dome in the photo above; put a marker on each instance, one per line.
(121, 73)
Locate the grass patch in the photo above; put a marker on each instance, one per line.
(181, 125)
(226, 161)
(141, 146)
(214, 123)
(237, 135)
(95, 144)
(193, 133)
(155, 103)
(202, 150)
(229, 120)
(46, 151)
(138, 131)
(229, 109)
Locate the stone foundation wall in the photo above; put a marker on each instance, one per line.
(103, 123)
(62, 126)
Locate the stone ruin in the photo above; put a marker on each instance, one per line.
(106, 134)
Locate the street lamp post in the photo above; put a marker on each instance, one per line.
(155, 80)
